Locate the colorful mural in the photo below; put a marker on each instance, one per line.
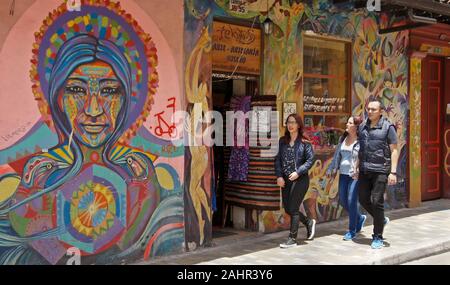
(379, 70)
(90, 173)
(94, 168)
(198, 94)
(415, 88)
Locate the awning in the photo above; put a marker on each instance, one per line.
(414, 14)
(434, 7)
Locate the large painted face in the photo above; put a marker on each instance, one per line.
(92, 99)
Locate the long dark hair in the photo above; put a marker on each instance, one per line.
(357, 120)
(301, 135)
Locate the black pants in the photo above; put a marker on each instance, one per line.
(371, 187)
(293, 194)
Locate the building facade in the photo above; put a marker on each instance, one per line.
(95, 168)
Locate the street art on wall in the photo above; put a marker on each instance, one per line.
(198, 191)
(379, 71)
(415, 122)
(94, 186)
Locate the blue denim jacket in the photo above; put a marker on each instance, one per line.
(304, 157)
(336, 162)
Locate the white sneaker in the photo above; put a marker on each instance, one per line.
(311, 230)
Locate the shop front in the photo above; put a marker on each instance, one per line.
(108, 179)
(317, 60)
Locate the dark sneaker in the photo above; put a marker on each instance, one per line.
(310, 229)
(361, 222)
(289, 243)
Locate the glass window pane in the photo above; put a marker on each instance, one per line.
(324, 133)
(326, 92)
(325, 95)
(325, 57)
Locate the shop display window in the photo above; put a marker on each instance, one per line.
(326, 90)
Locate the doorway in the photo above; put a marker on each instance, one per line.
(222, 91)
(433, 98)
(225, 92)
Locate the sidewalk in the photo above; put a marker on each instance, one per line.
(411, 234)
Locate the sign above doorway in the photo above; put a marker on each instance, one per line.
(236, 48)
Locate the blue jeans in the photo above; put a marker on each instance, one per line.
(348, 198)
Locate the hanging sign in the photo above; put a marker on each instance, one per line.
(236, 47)
(438, 50)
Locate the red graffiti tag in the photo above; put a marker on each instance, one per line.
(163, 127)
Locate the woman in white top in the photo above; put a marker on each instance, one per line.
(345, 160)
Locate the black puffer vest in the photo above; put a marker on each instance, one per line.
(374, 152)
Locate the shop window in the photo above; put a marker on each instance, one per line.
(326, 90)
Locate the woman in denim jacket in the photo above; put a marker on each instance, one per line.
(294, 159)
(345, 160)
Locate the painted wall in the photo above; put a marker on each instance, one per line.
(87, 161)
(380, 70)
(198, 159)
(415, 91)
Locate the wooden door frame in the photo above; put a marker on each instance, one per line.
(437, 35)
(446, 144)
(440, 122)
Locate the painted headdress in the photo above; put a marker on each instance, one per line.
(104, 20)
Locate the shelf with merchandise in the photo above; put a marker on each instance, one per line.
(325, 95)
(324, 138)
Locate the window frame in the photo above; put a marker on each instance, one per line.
(348, 77)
